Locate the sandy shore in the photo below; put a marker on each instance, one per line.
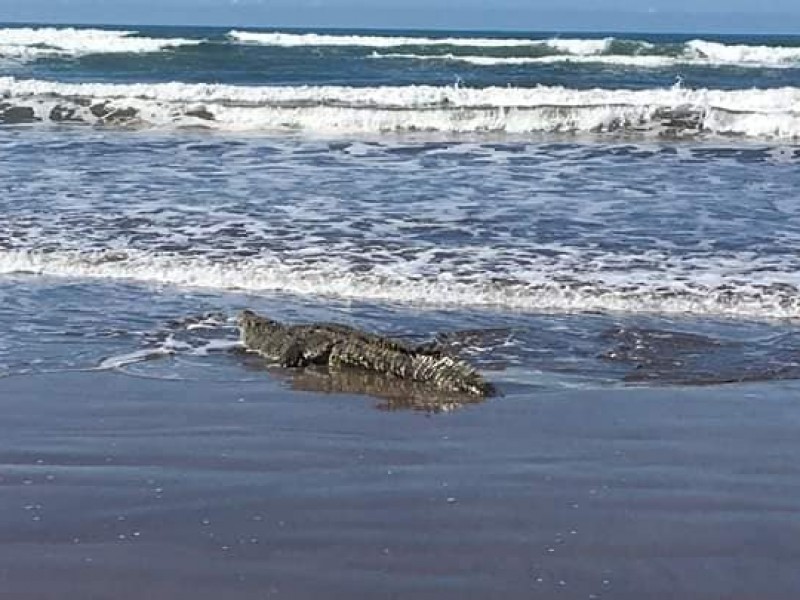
(115, 487)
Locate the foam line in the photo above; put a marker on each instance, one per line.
(643, 61)
(645, 292)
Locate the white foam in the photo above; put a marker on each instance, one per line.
(771, 113)
(131, 358)
(570, 46)
(717, 53)
(712, 286)
(580, 47)
(409, 97)
(29, 43)
(740, 56)
(216, 347)
(644, 61)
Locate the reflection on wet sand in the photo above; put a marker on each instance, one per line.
(394, 393)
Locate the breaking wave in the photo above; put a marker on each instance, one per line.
(572, 46)
(25, 43)
(554, 289)
(606, 50)
(335, 110)
(644, 61)
(739, 54)
(32, 43)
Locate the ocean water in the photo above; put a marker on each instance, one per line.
(565, 210)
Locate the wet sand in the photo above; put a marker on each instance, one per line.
(116, 487)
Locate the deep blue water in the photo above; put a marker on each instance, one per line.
(217, 60)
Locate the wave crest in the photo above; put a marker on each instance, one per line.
(348, 110)
(644, 61)
(717, 53)
(606, 50)
(26, 43)
(570, 46)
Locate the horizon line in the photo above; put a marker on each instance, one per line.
(340, 28)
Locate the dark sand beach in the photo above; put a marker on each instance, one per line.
(120, 487)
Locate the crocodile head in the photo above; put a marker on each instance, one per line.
(257, 331)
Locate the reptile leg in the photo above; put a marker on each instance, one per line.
(293, 356)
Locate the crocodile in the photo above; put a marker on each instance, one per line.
(342, 347)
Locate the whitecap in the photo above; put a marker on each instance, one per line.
(770, 113)
(743, 55)
(27, 43)
(570, 46)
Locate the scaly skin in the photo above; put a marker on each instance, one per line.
(340, 346)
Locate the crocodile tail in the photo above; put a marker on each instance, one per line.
(450, 375)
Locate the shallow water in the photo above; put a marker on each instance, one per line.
(162, 332)
(122, 237)
(557, 227)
